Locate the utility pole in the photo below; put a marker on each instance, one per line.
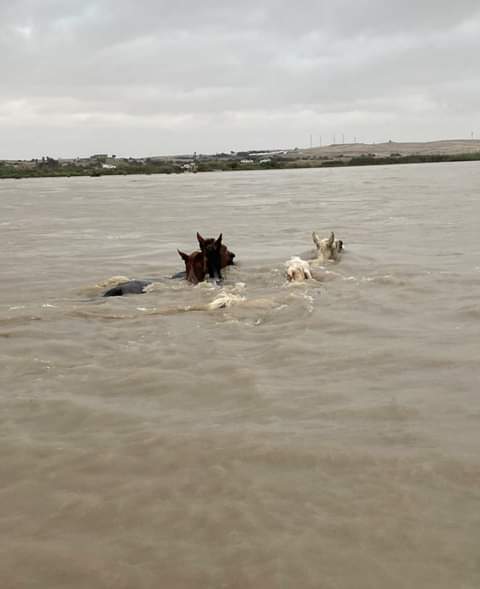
(311, 141)
(343, 138)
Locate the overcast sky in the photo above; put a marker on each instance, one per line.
(152, 77)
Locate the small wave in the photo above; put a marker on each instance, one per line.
(112, 281)
(470, 312)
(385, 279)
(19, 320)
(224, 300)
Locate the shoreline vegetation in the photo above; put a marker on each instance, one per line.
(341, 155)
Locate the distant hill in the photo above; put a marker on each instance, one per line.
(446, 147)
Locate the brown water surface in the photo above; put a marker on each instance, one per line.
(322, 435)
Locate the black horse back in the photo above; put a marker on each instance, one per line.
(130, 287)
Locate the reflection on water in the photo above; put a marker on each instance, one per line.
(253, 434)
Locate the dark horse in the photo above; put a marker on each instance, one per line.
(130, 287)
(208, 261)
(226, 256)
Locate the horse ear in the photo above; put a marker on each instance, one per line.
(201, 241)
(316, 239)
(218, 241)
(331, 239)
(183, 255)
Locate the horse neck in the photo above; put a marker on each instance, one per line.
(213, 264)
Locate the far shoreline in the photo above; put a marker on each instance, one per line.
(332, 156)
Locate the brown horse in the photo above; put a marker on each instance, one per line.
(195, 266)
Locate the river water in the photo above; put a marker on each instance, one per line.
(316, 435)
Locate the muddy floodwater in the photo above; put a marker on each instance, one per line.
(322, 435)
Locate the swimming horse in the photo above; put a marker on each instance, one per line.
(212, 257)
(130, 287)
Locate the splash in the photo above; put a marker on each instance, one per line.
(224, 300)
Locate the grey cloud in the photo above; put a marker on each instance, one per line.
(227, 73)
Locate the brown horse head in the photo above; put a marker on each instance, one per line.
(195, 266)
